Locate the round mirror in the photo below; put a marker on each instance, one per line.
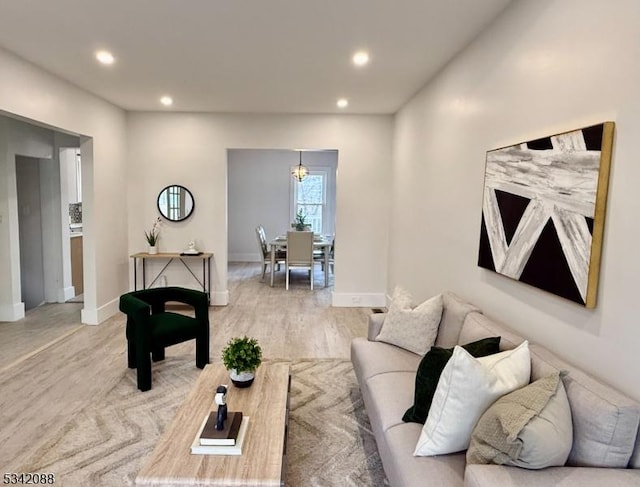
(175, 203)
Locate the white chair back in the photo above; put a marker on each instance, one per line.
(299, 253)
(300, 248)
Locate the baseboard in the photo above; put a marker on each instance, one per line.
(66, 293)
(96, 316)
(244, 258)
(358, 300)
(11, 312)
(220, 298)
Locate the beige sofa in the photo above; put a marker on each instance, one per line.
(606, 446)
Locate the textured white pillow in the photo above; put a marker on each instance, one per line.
(467, 387)
(412, 329)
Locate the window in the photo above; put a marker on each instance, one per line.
(310, 196)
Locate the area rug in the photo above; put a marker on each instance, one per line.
(106, 444)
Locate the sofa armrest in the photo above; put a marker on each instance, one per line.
(492, 475)
(375, 325)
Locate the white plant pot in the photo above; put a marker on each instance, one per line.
(153, 249)
(241, 379)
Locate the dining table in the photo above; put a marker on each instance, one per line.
(320, 242)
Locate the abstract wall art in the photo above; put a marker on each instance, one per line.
(543, 211)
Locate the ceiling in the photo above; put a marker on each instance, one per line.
(257, 56)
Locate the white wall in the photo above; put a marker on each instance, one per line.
(191, 149)
(543, 67)
(34, 94)
(259, 193)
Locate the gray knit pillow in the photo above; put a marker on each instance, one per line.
(414, 329)
(529, 428)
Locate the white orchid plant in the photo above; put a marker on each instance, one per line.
(153, 235)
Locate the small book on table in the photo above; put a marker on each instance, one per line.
(226, 436)
(197, 448)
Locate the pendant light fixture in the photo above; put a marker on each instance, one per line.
(299, 172)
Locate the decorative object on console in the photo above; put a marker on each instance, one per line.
(466, 388)
(299, 172)
(530, 428)
(414, 329)
(543, 211)
(191, 249)
(430, 369)
(153, 235)
(241, 357)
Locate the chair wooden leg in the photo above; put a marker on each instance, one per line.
(264, 270)
(157, 354)
(202, 351)
(144, 372)
(131, 354)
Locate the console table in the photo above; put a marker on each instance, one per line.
(205, 257)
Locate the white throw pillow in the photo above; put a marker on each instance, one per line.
(467, 387)
(414, 329)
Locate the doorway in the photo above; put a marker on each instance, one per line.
(261, 191)
(30, 231)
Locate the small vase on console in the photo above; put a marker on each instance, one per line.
(153, 249)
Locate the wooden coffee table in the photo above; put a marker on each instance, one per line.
(262, 459)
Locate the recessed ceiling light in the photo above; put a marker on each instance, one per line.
(360, 58)
(105, 57)
(342, 103)
(166, 101)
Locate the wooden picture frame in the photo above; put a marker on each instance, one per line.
(543, 211)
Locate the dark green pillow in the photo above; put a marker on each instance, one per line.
(429, 370)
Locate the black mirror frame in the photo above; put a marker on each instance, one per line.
(193, 203)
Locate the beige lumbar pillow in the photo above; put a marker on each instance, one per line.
(529, 428)
(414, 329)
(467, 387)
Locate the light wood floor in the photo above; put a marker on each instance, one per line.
(51, 366)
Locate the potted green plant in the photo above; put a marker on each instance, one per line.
(241, 357)
(153, 235)
(300, 222)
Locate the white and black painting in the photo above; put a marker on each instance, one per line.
(543, 211)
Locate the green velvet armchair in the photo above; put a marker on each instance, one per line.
(150, 328)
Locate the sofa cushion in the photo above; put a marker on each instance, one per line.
(477, 326)
(454, 312)
(429, 371)
(605, 422)
(403, 469)
(390, 394)
(467, 387)
(413, 329)
(170, 328)
(529, 428)
(497, 475)
(372, 358)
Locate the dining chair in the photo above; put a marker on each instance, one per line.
(299, 253)
(266, 254)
